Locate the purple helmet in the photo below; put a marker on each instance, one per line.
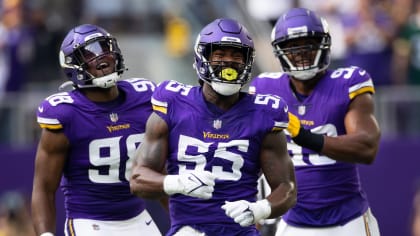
(85, 44)
(298, 23)
(223, 33)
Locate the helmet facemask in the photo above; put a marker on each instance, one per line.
(306, 60)
(227, 77)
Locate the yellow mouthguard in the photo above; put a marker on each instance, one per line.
(229, 74)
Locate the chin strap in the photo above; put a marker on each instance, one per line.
(66, 86)
(304, 74)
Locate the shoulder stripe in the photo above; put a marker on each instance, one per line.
(360, 91)
(48, 121)
(281, 125)
(360, 88)
(159, 106)
(159, 103)
(47, 126)
(163, 110)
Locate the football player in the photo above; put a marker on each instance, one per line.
(89, 136)
(332, 128)
(215, 141)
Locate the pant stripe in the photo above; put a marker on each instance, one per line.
(365, 220)
(70, 227)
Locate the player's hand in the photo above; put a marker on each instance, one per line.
(304, 137)
(198, 183)
(247, 213)
(294, 125)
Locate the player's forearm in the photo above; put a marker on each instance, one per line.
(146, 183)
(282, 199)
(355, 148)
(44, 213)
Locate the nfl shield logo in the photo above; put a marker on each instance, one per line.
(113, 117)
(301, 110)
(217, 124)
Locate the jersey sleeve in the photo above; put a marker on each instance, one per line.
(52, 114)
(253, 86)
(160, 100)
(360, 82)
(140, 85)
(263, 83)
(275, 110)
(164, 98)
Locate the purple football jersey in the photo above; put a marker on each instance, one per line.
(103, 138)
(226, 143)
(329, 192)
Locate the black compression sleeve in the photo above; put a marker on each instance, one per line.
(307, 139)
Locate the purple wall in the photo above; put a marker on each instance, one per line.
(389, 183)
(16, 172)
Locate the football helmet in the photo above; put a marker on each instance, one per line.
(298, 24)
(89, 45)
(225, 77)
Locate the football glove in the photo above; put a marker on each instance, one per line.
(188, 231)
(47, 234)
(198, 183)
(294, 125)
(304, 137)
(247, 213)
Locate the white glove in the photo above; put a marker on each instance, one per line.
(198, 183)
(247, 213)
(47, 234)
(188, 231)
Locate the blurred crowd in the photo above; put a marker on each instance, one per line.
(15, 218)
(378, 35)
(382, 36)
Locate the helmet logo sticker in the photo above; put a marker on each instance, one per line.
(91, 36)
(295, 31)
(230, 39)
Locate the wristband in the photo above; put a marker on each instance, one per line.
(171, 184)
(262, 210)
(306, 138)
(47, 234)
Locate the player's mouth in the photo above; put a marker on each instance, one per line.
(102, 65)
